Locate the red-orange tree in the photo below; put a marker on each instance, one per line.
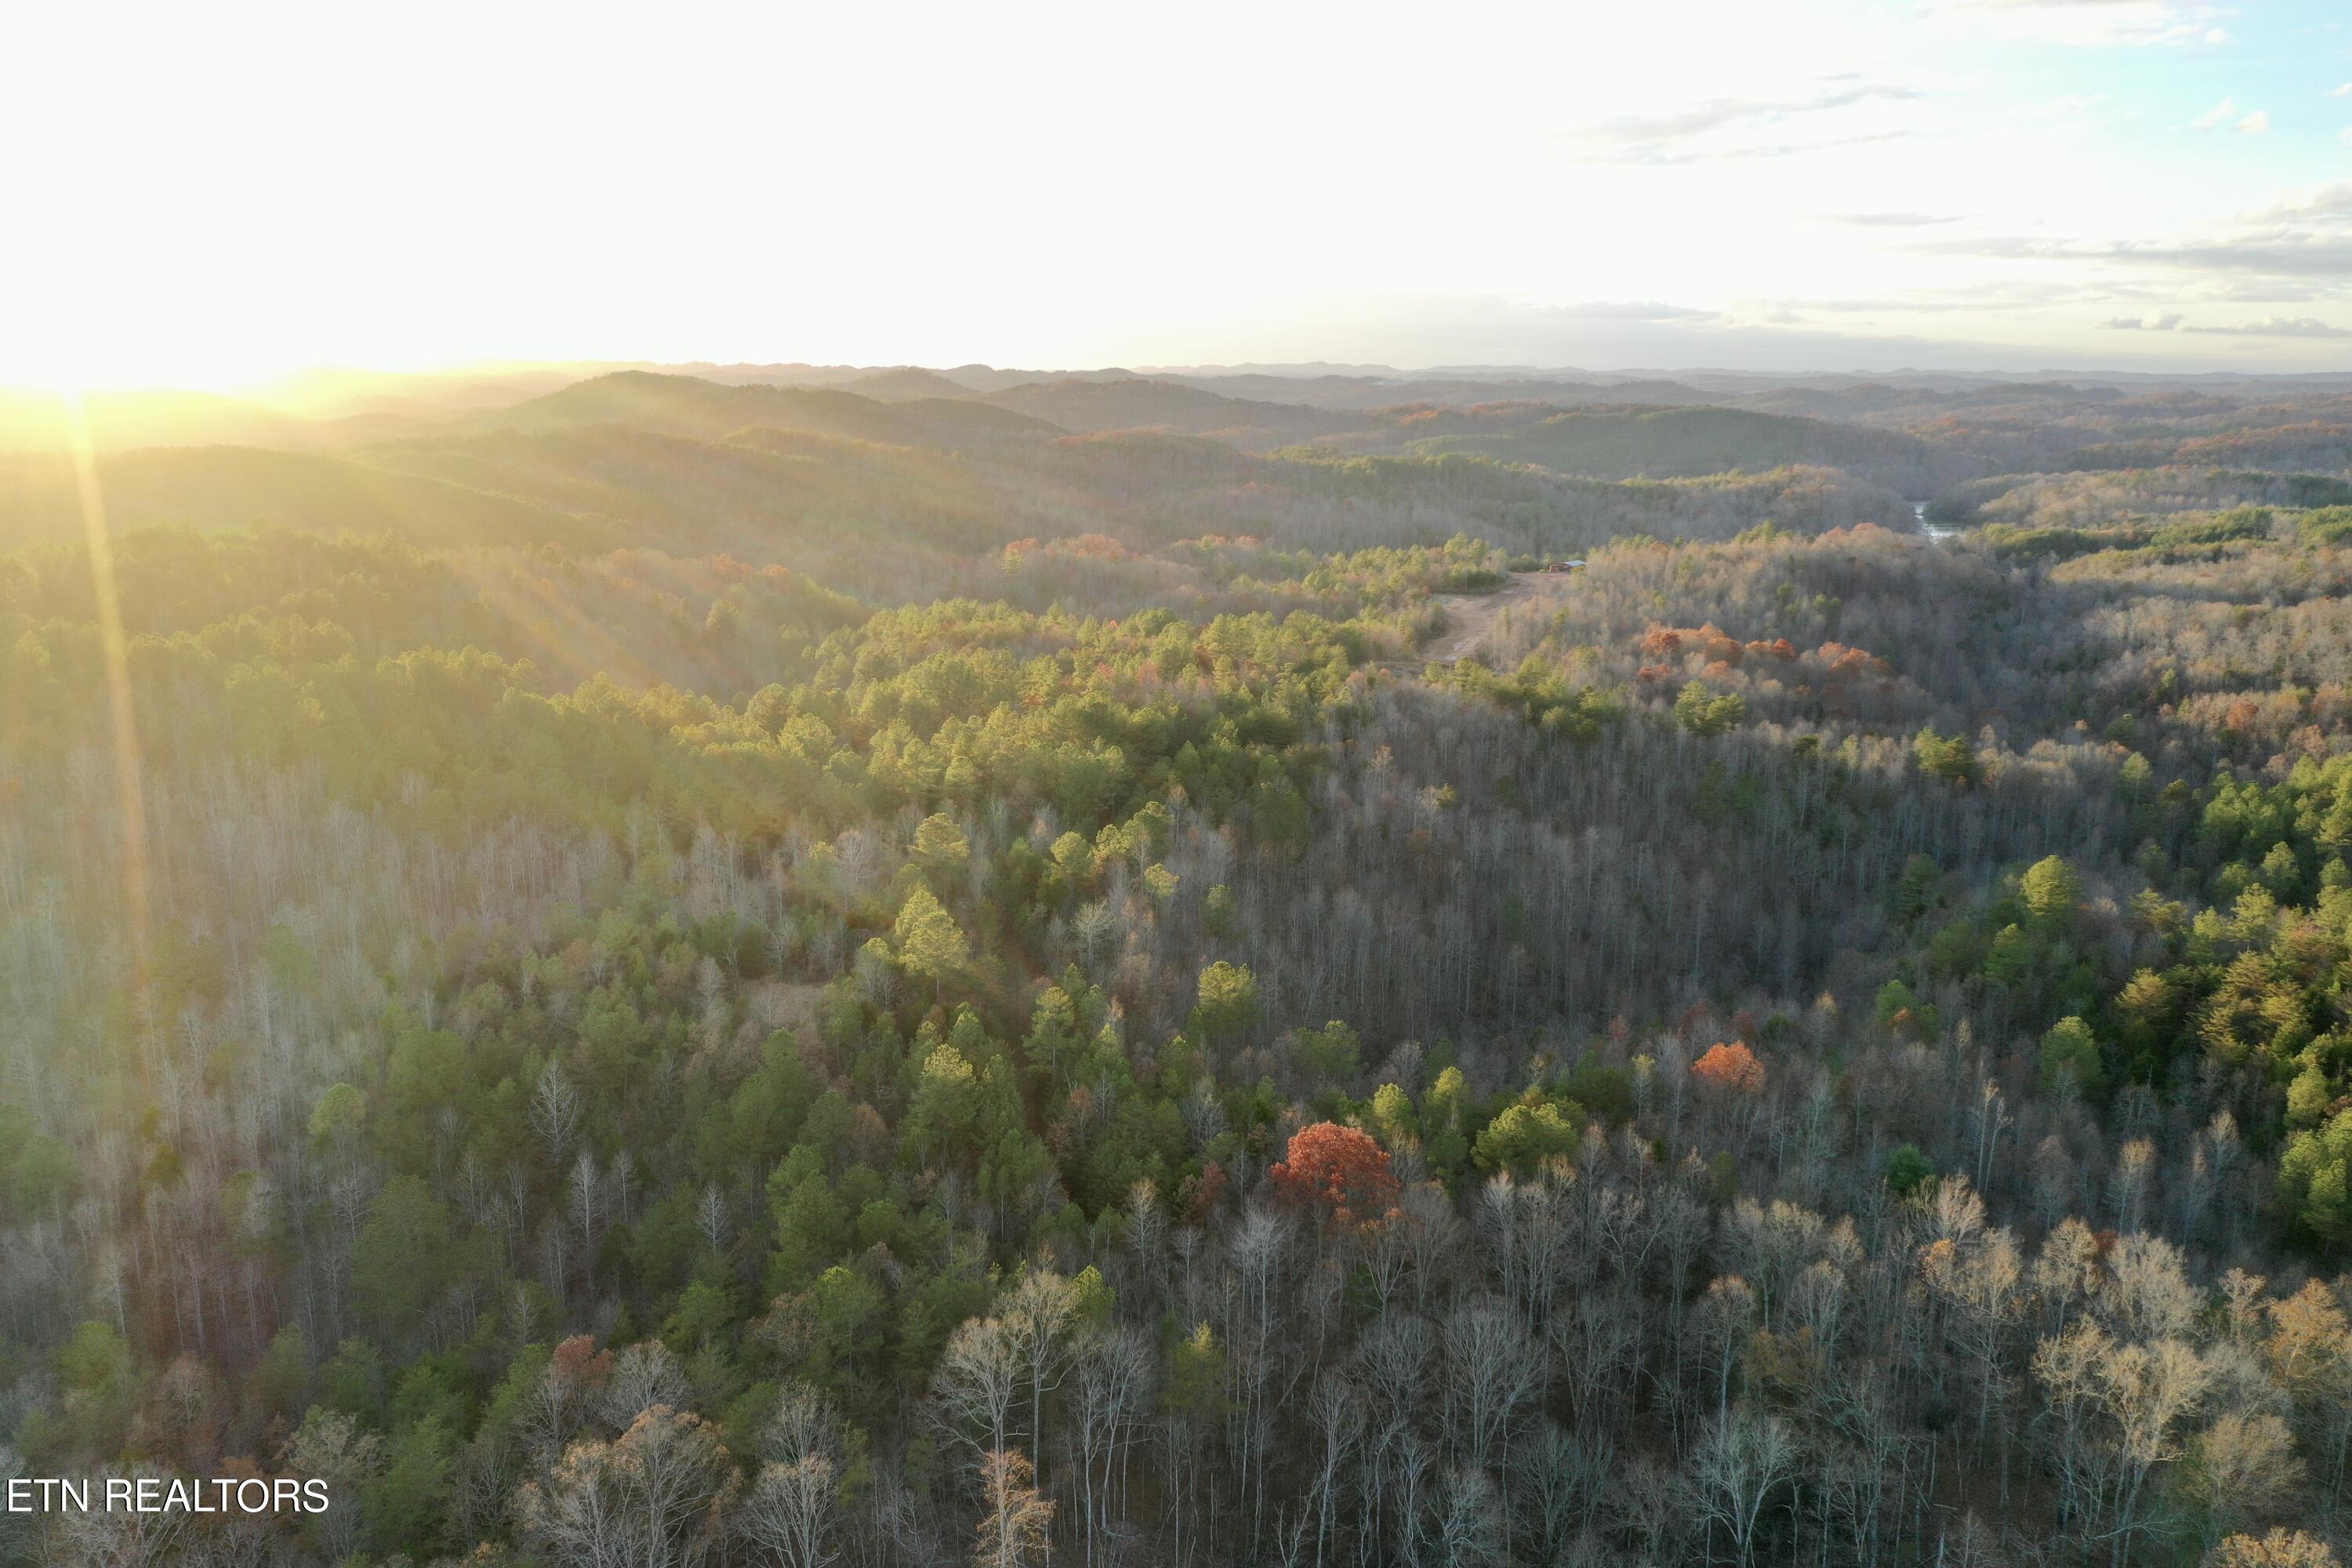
(1732, 1067)
(1337, 1170)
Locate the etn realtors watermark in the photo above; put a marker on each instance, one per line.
(165, 1494)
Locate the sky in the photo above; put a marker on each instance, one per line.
(208, 195)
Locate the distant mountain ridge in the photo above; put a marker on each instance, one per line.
(974, 455)
(687, 406)
(1608, 442)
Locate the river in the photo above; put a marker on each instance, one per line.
(1932, 530)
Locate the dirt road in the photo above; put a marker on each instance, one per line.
(1472, 618)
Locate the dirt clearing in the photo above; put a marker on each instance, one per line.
(1471, 619)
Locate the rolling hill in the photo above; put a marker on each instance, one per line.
(687, 406)
(905, 384)
(231, 486)
(1166, 405)
(1679, 443)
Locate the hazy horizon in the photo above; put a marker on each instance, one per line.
(291, 390)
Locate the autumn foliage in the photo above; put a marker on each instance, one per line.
(577, 1364)
(1671, 652)
(1732, 1067)
(1338, 1170)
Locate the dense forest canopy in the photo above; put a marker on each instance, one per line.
(938, 967)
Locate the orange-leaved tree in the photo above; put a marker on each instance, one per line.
(1338, 1170)
(1731, 1065)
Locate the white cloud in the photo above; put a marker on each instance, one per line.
(2253, 122)
(2157, 321)
(1736, 127)
(2321, 202)
(2280, 257)
(1891, 220)
(2091, 23)
(2281, 327)
(1633, 311)
(2344, 91)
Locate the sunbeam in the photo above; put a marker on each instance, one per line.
(130, 795)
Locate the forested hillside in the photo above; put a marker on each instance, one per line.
(688, 974)
(1679, 443)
